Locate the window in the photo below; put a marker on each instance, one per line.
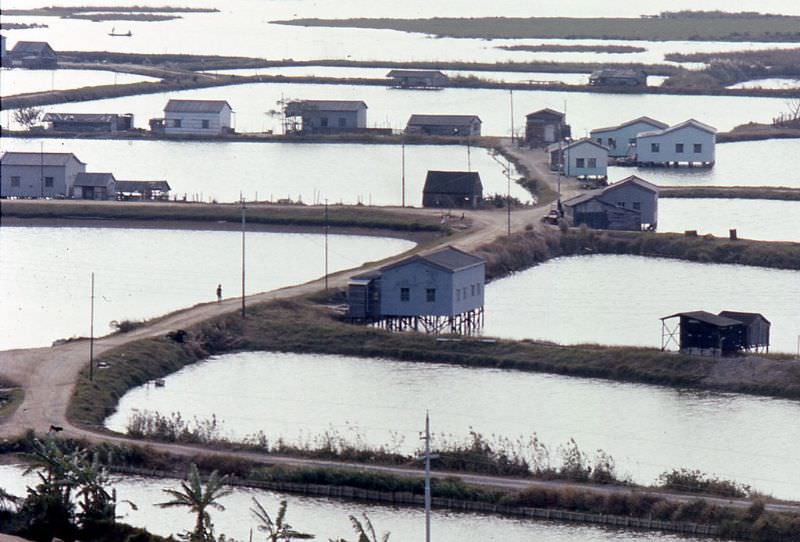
(479, 288)
(472, 290)
(464, 292)
(600, 140)
(206, 124)
(655, 147)
(612, 142)
(621, 204)
(580, 162)
(430, 295)
(323, 122)
(678, 147)
(637, 205)
(458, 294)
(176, 123)
(592, 163)
(342, 122)
(405, 294)
(15, 181)
(698, 147)
(48, 182)
(632, 141)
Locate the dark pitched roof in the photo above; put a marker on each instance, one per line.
(196, 106)
(618, 72)
(12, 158)
(297, 107)
(634, 180)
(94, 179)
(142, 186)
(442, 120)
(447, 258)
(32, 47)
(746, 318)
(453, 182)
(415, 73)
(707, 317)
(546, 113)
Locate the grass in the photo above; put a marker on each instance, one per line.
(344, 216)
(713, 26)
(731, 192)
(553, 48)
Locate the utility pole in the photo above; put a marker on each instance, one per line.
(403, 172)
(508, 198)
(243, 251)
(511, 98)
(41, 166)
(91, 334)
(427, 439)
(326, 244)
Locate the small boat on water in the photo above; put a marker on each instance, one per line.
(127, 34)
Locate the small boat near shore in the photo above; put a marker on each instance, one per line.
(127, 34)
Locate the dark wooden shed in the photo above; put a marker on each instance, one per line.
(452, 189)
(364, 297)
(723, 334)
(756, 326)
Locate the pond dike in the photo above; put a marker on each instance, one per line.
(408, 499)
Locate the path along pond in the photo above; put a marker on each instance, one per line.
(243, 28)
(329, 518)
(391, 108)
(20, 81)
(378, 402)
(143, 273)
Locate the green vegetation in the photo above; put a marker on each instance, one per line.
(554, 48)
(731, 192)
(687, 25)
(695, 481)
(342, 216)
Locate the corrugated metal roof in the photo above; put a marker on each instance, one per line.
(706, 317)
(585, 141)
(691, 122)
(546, 113)
(142, 186)
(32, 47)
(94, 179)
(442, 120)
(297, 107)
(632, 179)
(13, 158)
(80, 117)
(656, 124)
(744, 317)
(195, 106)
(448, 258)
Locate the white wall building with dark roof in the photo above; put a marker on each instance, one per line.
(38, 174)
(621, 139)
(690, 142)
(197, 117)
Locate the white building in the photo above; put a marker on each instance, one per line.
(690, 142)
(199, 117)
(583, 158)
(38, 174)
(621, 139)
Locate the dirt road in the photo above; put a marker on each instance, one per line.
(48, 375)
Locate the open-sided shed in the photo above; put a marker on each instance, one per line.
(723, 334)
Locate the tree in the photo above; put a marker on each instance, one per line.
(199, 500)
(28, 116)
(365, 531)
(277, 530)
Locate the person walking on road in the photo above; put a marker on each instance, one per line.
(219, 293)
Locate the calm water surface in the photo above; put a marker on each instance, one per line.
(766, 220)
(646, 429)
(391, 108)
(19, 81)
(243, 28)
(768, 83)
(270, 171)
(745, 163)
(328, 518)
(619, 299)
(142, 273)
(380, 73)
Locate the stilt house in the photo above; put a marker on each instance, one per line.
(439, 291)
